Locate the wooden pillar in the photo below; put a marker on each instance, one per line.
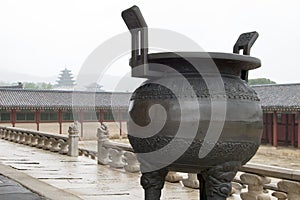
(293, 130)
(298, 130)
(266, 125)
(101, 116)
(81, 122)
(37, 119)
(60, 121)
(13, 117)
(275, 129)
(270, 131)
(120, 121)
(286, 125)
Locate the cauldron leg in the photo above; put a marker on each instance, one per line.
(153, 182)
(202, 187)
(215, 182)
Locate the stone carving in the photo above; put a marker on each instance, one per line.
(73, 139)
(103, 154)
(132, 165)
(74, 128)
(255, 187)
(236, 188)
(173, 177)
(192, 181)
(279, 195)
(292, 189)
(116, 157)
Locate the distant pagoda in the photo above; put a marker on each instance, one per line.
(65, 80)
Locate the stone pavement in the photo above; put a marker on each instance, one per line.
(65, 177)
(10, 190)
(56, 176)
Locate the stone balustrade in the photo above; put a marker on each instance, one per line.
(116, 155)
(253, 182)
(48, 141)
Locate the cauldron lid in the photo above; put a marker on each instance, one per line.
(243, 62)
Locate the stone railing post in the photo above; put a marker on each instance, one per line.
(1, 133)
(292, 189)
(40, 142)
(173, 177)
(55, 145)
(27, 138)
(102, 154)
(34, 140)
(73, 139)
(192, 181)
(116, 157)
(132, 165)
(255, 187)
(63, 146)
(6, 135)
(279, 195)
(47, 143)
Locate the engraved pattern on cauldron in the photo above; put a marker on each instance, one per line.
(223, 151)
(234, 89)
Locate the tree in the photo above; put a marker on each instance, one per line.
(30, 85)
(37, 86)
(260, 81)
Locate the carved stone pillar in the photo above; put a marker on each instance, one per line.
(279, 195)
(11, 135)
(47, 143)
(27, 138)
(14, 136)
(292, 189)
(116, 157)
(6, 134)
(40, 142)
(132, 165)
(255, 187)
(63, 146)
(22, 138)
(34, 140)
(54, 145)
(173, 177)
(192, 181)
(73, 139)
(102, 154)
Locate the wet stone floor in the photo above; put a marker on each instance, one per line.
(86, 179)
(11, 190)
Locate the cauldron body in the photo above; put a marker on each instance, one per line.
(241, 133)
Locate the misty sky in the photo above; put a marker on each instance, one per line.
(40, 38)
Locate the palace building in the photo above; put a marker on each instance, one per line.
(280, 104)
(20, 106)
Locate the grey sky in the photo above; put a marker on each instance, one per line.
(41, 38)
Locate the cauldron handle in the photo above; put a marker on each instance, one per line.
(245, 42)
(136, 24)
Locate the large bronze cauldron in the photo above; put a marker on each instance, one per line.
(241, 124)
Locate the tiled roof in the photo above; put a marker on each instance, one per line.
(279, 97)
(56, 99)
